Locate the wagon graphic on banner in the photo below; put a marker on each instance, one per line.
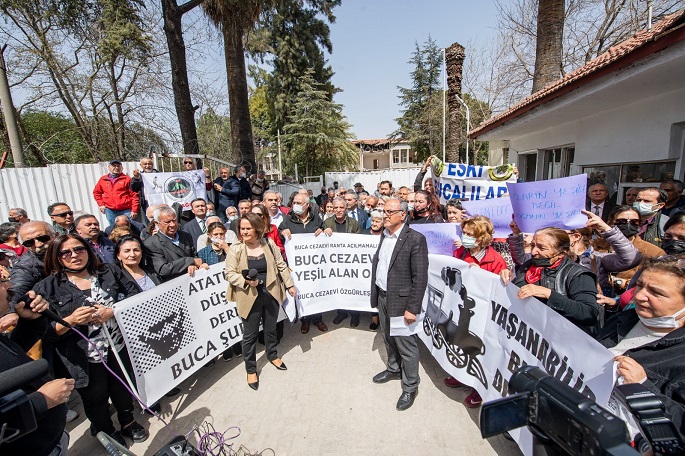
(178, 187)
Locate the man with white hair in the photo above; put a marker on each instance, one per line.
(18, 215)
(171, 252)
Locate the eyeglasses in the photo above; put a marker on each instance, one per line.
(392, 212)
(187, 163)
(67, 253)
(626, 221)
(28, 243)
(63, 214)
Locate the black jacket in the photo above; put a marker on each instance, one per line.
(51, 421)
(25, 273)
(167, 259)
(293, 223)
(64, 297)
(663, 360)
(574, 292)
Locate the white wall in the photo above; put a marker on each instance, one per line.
(635, 132)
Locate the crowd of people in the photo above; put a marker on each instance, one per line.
(620, 279)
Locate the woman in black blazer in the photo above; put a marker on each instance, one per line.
(129, 253)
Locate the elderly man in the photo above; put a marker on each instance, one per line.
(236, 188)
(18, 215)
(599, 202)
(29, 269)
(303, 220)
(631, 195)
(171, 252)
(217, 185)
(88, 227)
(399, 277)
(675, 199)
(402, 193)
(147, 167)
(244, 207)
(649, 203)
(114, 195)
(62, 217)
(124, 222)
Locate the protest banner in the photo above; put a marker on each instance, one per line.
(480, 333)
(554, 202)
(439, 236)
(498, 210)
(470, 182)
(177, 187)
(177, 327)
(332, 272)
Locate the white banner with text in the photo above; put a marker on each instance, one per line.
(178, 187)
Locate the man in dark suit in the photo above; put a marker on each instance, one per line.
(599, 202)
(353, 209)
(197, 226)
(171, 252)
(341, 223)
(399, 277)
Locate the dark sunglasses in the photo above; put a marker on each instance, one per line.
(63, 214)
(187, 163)
(31, 242)
(67, 253)
(626, 221)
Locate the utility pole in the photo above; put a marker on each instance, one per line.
(9, 113)
(280, 164)
(468, 120)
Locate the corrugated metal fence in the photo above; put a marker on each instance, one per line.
(398, 177)
(34, 189)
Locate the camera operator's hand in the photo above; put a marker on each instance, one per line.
(57, 391)
(33, 309)
(630, 370)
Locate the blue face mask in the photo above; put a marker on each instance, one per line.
(468, 242)
(644, 209)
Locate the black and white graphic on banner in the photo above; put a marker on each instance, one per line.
(158, 329)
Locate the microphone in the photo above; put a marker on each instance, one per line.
(22, 375)
(252, 274)
(49, 314)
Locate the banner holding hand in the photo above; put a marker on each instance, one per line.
(555, 202)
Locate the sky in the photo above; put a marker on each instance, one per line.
(373, 40)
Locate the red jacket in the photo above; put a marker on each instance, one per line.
(276, 237)
(117, 196)
(492, 261)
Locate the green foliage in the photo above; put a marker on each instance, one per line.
(56, 136)
(421, 121)
(122, 33)
(318, 135)
(214, 135)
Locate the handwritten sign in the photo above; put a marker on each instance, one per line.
(498, 210)
(555, 202)
(439, 236)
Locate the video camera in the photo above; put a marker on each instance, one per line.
(566, 422)
(17, 417)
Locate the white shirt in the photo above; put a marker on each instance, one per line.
(200, 222)
(277, 219)
(599, 206)
(384, 256)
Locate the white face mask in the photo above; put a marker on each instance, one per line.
(298, 209)
(468, 241)
(668, 322)
(241, 175)
(232, 217)
(410, 206)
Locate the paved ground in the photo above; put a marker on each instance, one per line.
(324, 404)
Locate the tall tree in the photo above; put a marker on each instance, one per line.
(172, 14)
(318, 135)
(549, 43)
(421, 120)
(234, 18)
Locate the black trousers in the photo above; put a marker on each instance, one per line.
(103, 386)
(264, 310)
(314, 319)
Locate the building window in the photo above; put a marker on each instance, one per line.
(558, 162)
(375, 163)
(401, 157)
(528, 165)
(620, 178)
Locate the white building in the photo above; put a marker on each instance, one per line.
(380, 154)
(623, 114)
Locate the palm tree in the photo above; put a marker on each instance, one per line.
(549, 46)
(234, 18)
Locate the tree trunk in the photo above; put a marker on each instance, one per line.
(454, 56)
(242, 143)
(548, 50)
(179, 75)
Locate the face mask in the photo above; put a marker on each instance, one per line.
(673, 246)
(298, 209)
(669, 322)
(241, 175)
(367, 210)
(232, 217)
(260, 180)
(628, 230)
(211, 213)
(644, 209)
(468, 241)
(544, 262)
(410, 206)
